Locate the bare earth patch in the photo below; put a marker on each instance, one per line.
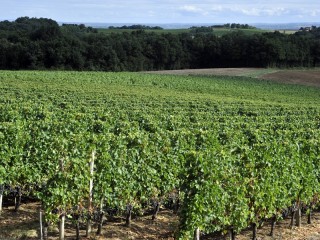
(211, 71)
(283, 231)
(25, 225)
(301, 77)
(307, 77)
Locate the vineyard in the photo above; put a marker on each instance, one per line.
(225, 153)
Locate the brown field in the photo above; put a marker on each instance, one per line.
(210, 71)
(25, 225)
(308, 78)
(301, 77)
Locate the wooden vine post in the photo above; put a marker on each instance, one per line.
(61, 226)
(1, 197)
(63, 215)
(40, 221)
(197, 234)
(89, 227)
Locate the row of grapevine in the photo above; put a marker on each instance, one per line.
(228, 188)
(234, 162)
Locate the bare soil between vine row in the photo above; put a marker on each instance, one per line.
(25, 225)
(310, 77)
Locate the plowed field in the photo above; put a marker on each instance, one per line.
(302, 77)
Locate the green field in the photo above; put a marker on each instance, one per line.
(233, 150)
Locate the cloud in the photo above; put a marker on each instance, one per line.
(218, 8)
(250, 10)
(260, 12)
(192, 10)
(315, 13)
(151, 13)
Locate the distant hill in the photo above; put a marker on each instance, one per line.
(269, 26)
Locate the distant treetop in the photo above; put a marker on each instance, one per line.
(137, 27)
(227, 25)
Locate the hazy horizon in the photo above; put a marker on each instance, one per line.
(273, 26)
(267, 26)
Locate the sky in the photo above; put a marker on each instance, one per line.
(164, 11)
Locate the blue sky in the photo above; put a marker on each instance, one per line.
(165, 11)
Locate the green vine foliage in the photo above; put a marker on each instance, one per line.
(237, 150)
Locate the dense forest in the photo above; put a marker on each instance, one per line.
(31, 43)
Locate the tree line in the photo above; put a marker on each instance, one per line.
(136, 27)
(41, 43)
(229, 25)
